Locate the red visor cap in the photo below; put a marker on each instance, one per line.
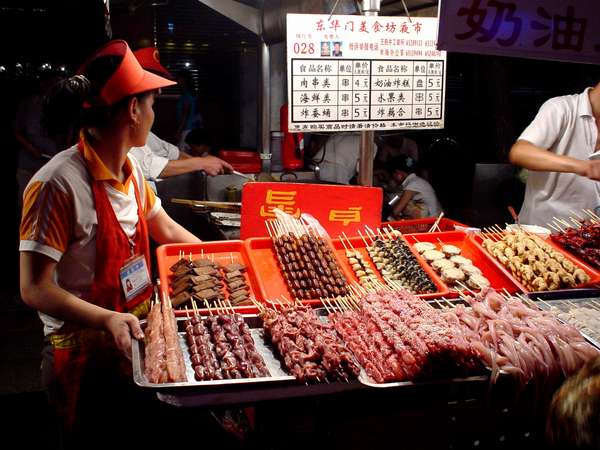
(148, 58)
(129, 78)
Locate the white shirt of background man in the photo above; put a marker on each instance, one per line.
(565, 126)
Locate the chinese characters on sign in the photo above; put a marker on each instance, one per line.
(340, 209)
(352, 73)
(548, 29)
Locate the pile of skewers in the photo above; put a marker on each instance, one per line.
(309, 348)
(360, 264)
(396, 262)
(163, 359)
(204, 279)
(581, 237)
(306, 260)
(519, 340)
(453, 268)
(221, 346)
(538, 265)
(398, 337)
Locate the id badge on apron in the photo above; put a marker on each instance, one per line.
(134, 277)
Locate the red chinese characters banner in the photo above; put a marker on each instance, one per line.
(338, 208)
(563, 30)
(353, 73)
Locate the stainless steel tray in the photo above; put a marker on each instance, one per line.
(278, 375)
(565, 304)
(228, 392)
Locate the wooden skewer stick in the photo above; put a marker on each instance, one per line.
(581, 219)
(208, 307)
(592, 214)
(348, 239)
(363, 239)
(561, 221)
(436, 223)
(343, 243)
(450, 304)
(553, 227)
(465, 287)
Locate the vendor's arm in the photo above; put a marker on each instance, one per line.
(533, 149)
(39, 291)
(209, 164)
(165, 230)
(184, 155)
(404, 199)
(532, 157)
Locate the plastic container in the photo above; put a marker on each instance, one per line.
(271, 285)
(594, 275)
(359, 245)
(423, 225)
(242, 160)
(224, 252)
(498, 279)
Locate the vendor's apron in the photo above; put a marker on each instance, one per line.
(74, 347)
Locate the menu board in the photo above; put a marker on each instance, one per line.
(357, 73)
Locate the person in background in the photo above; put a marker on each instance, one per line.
(36, 144)
(335, 155)
(416, 198)
(574, 414)
(160, 159)
(199, 142)
(87, 218)
(390, 146)
(188, 117)
(556, 149)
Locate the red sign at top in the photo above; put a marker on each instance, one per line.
(338, 208)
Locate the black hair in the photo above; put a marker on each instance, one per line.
(64, 104)
(198, 137)
(403, 163)
(575, 411)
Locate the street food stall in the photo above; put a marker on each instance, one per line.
(319, 298)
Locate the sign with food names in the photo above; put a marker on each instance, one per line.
(359, 73)
(562, 30)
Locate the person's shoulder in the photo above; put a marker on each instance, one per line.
(65, 169)
(562, 102)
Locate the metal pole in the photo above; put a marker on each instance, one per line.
(265, 107)
(367, 145)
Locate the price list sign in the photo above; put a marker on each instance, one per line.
(349, 73)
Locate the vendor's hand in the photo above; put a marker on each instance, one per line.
(591, 169)
(214, 166)
(123, 326)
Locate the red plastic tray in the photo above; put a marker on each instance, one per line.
(594, 275)
(359, 245)
(242, 161)
(270, 283)
(222, 251)
(499, 280)
(423, 225)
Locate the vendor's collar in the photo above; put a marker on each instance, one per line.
(584, 106)
(98, 169)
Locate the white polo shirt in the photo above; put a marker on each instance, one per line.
(154, 156)
(59, 215)
(564, 125)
